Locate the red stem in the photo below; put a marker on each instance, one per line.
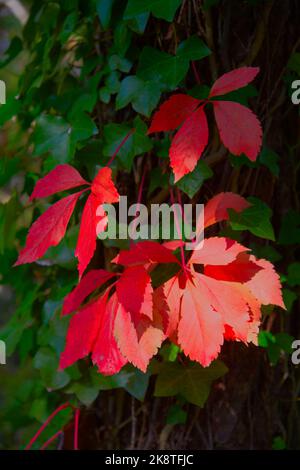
(76, 428)
(51, 439)
(179, 232)
(48, 420)
(196, 73)
(120, 146)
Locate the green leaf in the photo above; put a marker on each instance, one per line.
(193, 49)
(294, 62)
(166, 69)
(275, 344)
(52, 134)
(58, 137)
(270, 159)
(289, 297)
(191, 381)
(165, 9)
(137, 144)
(255, 218)
(278, 443)
(104, 9)
(176, 415)
(14, 49)
(191, 183)
(293, 277)
(46, 362)
(144, 96)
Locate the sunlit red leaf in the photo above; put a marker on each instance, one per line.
(134, 291)
(106, 354)
(200, 329)
(48, 229)
(103, 187)
(62, 177)
(219, 251)
(86, 243)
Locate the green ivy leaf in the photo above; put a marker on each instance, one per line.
(104, 10)
(192, 49)
(144, 96)
(255, 218)
(270, 159)
(165, 9)
(191, 183)
(191, 381)
(58, 137)
(176, 415)
(293, 277)
(137, 144)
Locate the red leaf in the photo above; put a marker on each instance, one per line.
(216, 209)
(227, 298)
(137, 344)
(217, 251)
(173, 112)
(239, 270)
(173, 295)
(88, 284)
(82, 332)
(265, 284)
(189, 143)
(61, 178)
(233, 80)
(200, 330)
(106, 353)
(104, 188)
(145, 252)
(134, 291)
(239, 128)
(48, 229)
(86, 243)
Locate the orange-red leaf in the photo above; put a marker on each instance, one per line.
(217, 250)
(200, 329)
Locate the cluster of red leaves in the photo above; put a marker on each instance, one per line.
(217, 294)
(50, 227)
(130, 320)
(239, 128)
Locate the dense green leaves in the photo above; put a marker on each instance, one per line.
(165, 10)
(166, 69)
(192, 381)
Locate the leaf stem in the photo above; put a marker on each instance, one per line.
(120, 146)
